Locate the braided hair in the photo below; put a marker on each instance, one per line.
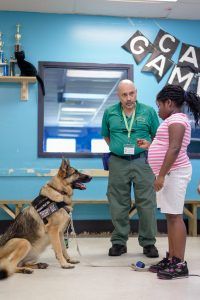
(177, 94)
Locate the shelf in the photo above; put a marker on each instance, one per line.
(24, 83)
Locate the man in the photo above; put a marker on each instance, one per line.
(122, 124)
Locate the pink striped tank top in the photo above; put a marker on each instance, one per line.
(160, 144)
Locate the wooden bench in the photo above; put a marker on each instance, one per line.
(18, 205)
(190, 210)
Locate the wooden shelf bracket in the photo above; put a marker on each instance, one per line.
(24, 83)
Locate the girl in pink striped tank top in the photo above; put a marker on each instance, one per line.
(169, 161)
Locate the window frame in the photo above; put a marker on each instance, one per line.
(71, 65)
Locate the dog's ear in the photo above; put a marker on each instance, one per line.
(63, 167)
(67, 162)
(64, 164)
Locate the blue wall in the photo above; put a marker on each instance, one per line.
(71, 38)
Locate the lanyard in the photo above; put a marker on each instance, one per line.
(126, 123)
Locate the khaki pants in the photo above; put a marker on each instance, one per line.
(123, 175)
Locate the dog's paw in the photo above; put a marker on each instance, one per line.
(26, 270)
(67, 266)
(73, 261)
(42, 265)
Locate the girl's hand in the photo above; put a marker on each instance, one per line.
(142, 143)
(159, 183)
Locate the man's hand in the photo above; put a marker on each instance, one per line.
(159, 183)
(142, 143)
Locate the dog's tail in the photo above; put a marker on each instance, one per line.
(6, 268)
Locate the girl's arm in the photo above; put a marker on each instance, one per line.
(176, 134)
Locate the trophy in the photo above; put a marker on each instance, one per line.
(3, 60)
(1, 49)
(17, 39)
(14, 69)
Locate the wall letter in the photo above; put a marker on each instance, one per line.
(158, 64)
(138, 49)
(163, 38)
(138, 45)
(189, 57)
(166, 43)
(153, 64)
(181, 76)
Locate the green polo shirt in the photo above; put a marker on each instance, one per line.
(145, 125)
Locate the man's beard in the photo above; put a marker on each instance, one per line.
(130, 104)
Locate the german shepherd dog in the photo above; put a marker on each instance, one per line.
(41, 224)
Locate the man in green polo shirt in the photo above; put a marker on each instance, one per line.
(122, 124)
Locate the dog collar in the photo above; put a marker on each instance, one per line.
(61, 192)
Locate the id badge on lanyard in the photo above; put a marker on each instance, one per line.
(129, 149)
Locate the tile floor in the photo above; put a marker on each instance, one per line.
(100, 277)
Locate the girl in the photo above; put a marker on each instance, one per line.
(168, 159)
